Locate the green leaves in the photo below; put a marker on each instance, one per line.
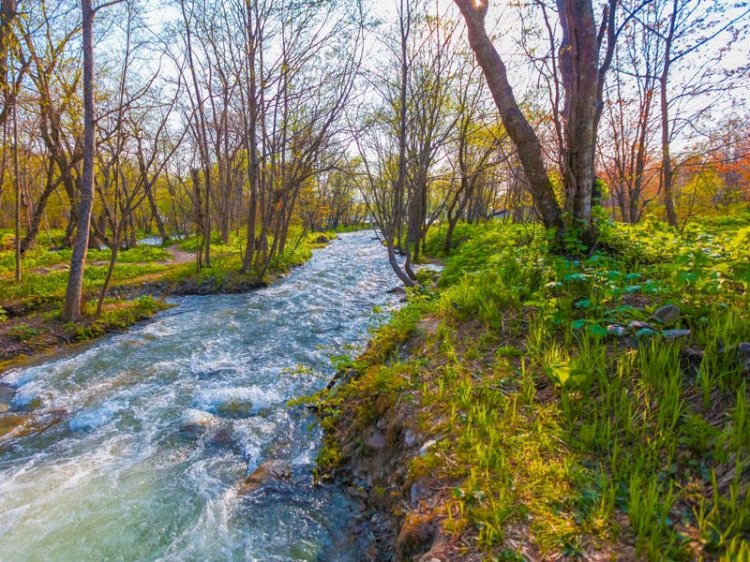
(566, 375)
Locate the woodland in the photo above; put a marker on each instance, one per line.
(561, 189)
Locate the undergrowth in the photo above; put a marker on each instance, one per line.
(577, 413)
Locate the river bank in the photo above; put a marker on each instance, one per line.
(30, 328)
(529, 406)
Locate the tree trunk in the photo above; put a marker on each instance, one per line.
(73, 296)
(17, 180)
(667, 174)
(519, 129)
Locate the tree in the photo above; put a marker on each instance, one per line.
(585, 54)
(72, 307)
(683, 28)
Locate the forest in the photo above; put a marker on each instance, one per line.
(375, 280)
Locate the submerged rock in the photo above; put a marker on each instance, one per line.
(234, 408)
(15, 424)
(10, 423)
(267, 472)
(667, 315)
(6, 397)
(195, 423)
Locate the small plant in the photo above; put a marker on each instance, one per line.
(24, 332)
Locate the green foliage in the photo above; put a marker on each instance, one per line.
(24, 332)
(117, 315)
(558, 410)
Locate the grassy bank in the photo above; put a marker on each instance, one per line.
(544, 406)
(30, 322)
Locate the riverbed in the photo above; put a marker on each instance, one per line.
(157, 428)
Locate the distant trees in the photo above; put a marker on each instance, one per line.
(240, 122)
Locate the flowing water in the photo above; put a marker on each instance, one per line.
(163, 423)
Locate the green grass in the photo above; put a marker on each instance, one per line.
(45, 271)
(556, 429)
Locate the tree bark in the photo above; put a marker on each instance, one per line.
(666, 157)
(73, 296)
(519, 129)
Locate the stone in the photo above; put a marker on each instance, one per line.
(10, 423)
(743, 352)
(674, 334)
(399, 290)
(13, 425)
(410, 438)
(423, 450)
(416, 536)
(667, 315)
(374, 440)
(417, 492)
(638, 325)
(357, 492)
(195, 423)
(616, 330)
(235, 408)
(266, 473)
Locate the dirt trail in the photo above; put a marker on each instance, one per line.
(179, 256)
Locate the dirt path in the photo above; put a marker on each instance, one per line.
(179, 256)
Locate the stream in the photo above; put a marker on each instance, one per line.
(159, 427)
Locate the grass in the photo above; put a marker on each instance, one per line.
(29, 310)
(566, 428)
(45, 273)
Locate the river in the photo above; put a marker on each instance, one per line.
(128, 475)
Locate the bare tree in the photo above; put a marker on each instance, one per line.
(585, 53)
(72, 307)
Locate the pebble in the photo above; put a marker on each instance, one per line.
(667, 315)
(426, 447)
(674, 334)
(375, 440)
(410, 438)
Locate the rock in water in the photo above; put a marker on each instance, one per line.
(10, 423)
(667, 315)
(195, 423)
(266, 473)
